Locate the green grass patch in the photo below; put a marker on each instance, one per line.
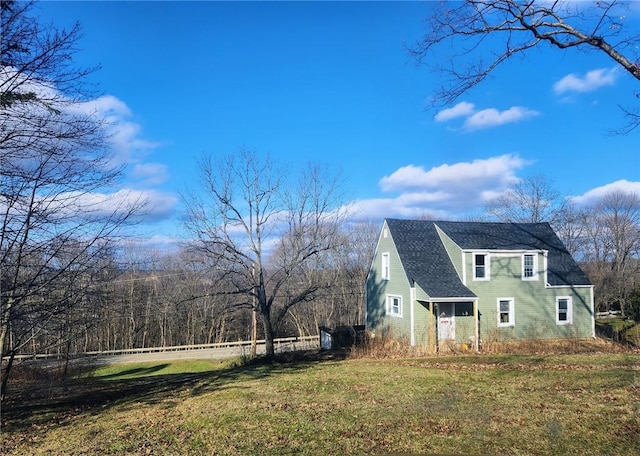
(140, 370)
(477, 404)
(617, 324)
(620, 330)
(632, 334)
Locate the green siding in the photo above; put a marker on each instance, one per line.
(534, 302)
(422, 318)
(377, 290)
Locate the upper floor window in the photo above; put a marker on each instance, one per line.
(394, 306)
(506, 312)
(529, 266)
(385, 266)
(481, 266)
(564, 310)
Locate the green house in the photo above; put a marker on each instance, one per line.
(453, 283)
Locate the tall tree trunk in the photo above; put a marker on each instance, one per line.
(268, 333)
(5, 375)
(254, 332)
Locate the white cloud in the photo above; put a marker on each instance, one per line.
(159, 242)
(125, 138)
(462, 109)
(150, 173)
(446, 191)
(377, 209)
(596, 194)
(482, 172)
(485, 118)
(488, 118)
(590, 82)
(106, 106)
(150, 205)
(125, 135)
(160, 205)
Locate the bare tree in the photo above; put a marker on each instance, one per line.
(530, 200)
(54, 167)
(345, 268)
(570, 228)
(613, 253)
(264, 233)
(355, 262)
(461, 30)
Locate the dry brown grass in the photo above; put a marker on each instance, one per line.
(384, 345)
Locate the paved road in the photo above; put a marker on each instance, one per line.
(203, 353)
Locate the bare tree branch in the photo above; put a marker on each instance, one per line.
(264, 232)
(54, 160)
(478, 36)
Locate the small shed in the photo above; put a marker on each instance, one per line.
(340, 337)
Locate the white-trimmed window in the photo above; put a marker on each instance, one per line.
(564, 310)
(529, 266)
(480, 266)
(506, 314)
(394, 305)
(386, 273)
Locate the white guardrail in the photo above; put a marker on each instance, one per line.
(305, 340)
(609, 314)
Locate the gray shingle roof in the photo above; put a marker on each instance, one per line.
(425, 259)
(427, 262)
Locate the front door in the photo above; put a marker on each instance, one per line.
(446, 321)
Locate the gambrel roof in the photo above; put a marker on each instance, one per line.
(426, 261)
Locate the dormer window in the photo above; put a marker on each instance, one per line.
(529, 266)
(480, 266)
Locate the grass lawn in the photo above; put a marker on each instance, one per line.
(320, 404)
(621, 330)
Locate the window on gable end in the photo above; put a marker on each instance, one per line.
(529, 266)
(394, 306)
(386, 273)
(480, 266)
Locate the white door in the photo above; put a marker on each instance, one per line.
(446, 321)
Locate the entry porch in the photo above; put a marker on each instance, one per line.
(449, 325)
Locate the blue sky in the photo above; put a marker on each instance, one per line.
(333, 83)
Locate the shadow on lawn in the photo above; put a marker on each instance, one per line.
(58, 403)
(138, 372)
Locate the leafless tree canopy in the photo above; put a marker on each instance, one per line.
(612, 250)
(269, 233)
(531, 200)
(466, 41)
(54, 169)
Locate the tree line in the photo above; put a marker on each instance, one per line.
(163, 299)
